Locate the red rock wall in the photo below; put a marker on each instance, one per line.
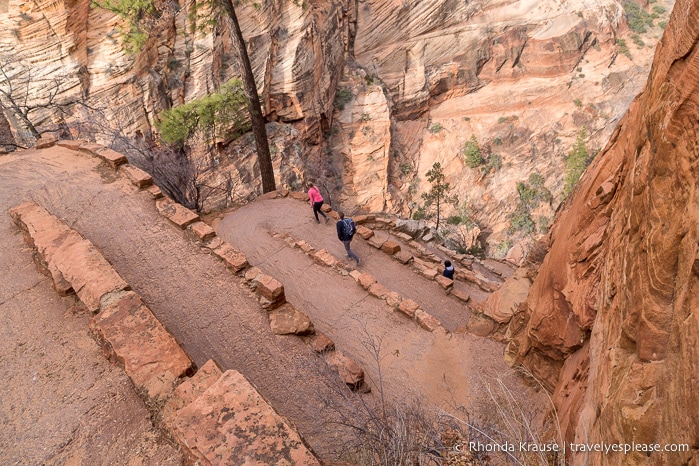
(612, 319)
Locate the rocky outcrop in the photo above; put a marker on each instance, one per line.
(611, 320)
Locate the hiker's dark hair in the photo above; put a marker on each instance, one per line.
(309, 184)
(447, 263)
(341, 214)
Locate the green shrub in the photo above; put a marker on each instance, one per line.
(502, 120)
(342, 97)
(472, 153)
(637, 40)
(578, 159)
(406, 168)
(623, 49)
(134, 11)
(521, 222)
(219, 115)
(454, 220)
(365, 117)
(577, 103)
(658, 9)
(637, 17)
(662, 24)
(435, 128)
(493, 163)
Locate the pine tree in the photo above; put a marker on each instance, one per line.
(439, 194)
(472, 153)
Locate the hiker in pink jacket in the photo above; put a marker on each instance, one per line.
(316, 201)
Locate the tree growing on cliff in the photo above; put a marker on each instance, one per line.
(577, 161)
(436, 197)
(213, 117)
(257, 119)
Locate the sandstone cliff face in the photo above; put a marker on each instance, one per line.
(615, 305)
(523, 77)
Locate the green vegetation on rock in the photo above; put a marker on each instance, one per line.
(578, 159)
(134, 12)
(215, 116)
(472, 153)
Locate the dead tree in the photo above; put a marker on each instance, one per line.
(18, 88)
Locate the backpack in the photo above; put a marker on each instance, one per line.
(348, 227)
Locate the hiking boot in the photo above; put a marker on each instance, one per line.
(358, 261)
(327, 219)
(317, 221)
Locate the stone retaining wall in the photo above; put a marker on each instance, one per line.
(366, 281)
(131, 336)
(423, 261)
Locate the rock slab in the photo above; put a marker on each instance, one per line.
(131, 335)
(231, 424)
(71, 261)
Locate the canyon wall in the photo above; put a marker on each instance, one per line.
(373, 92)
(612, 319)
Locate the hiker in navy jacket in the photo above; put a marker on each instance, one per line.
(345, 232)
(448, 270)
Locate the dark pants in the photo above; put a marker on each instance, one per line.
(349, 251)
(316, 210)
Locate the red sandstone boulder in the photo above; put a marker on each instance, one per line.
(444, 282)
(366, 280)
(176, 213)
(325, 258)
(376, 242)
(234, 259)
(287, 320)
(202, 231)
(230, 423)
(404, 257)
(364, 232)
(390, 247)
(408, 307)
(138, 177)
(378, 290)
(348, 370)
(271, 289)
(427, 321)
(320, 343)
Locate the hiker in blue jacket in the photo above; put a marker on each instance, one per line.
(346, 229)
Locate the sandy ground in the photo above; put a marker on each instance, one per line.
(63, 403)
(443, 369)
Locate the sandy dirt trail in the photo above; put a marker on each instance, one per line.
(198, 300)
(442, 368)
(61, 401)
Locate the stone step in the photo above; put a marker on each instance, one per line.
(231, 424)
(131, 335)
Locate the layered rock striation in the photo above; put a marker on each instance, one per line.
(419, 78)
(612, 320)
